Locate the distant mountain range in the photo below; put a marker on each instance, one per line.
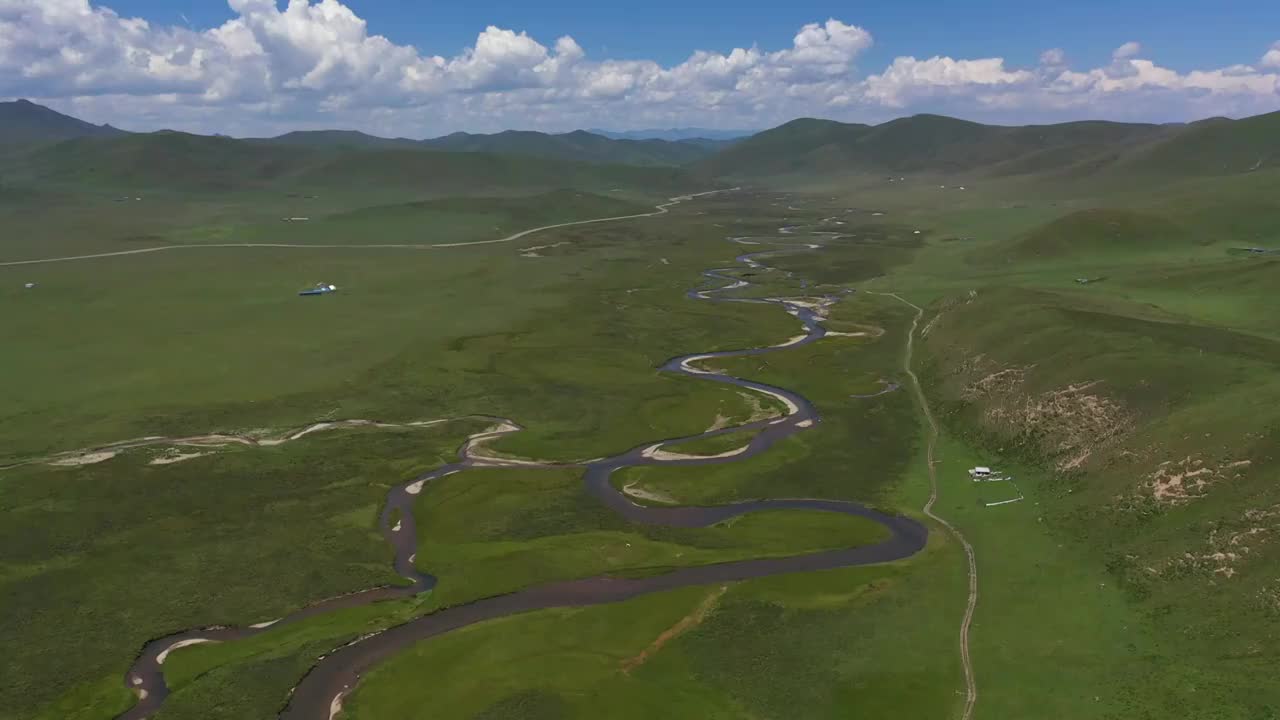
(937, 145)
(579, 146)
(673, 134)
(173, 161)
(808, 148)
(23, 122)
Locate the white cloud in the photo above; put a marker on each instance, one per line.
(1127, 50)
(1053, 57)
(1272, 57)
(908, 79)
(316, 63)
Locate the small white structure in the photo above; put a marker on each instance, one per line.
(29, 286)
(980, 473)
(320, 289)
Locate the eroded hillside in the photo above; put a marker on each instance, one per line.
(1159, 436)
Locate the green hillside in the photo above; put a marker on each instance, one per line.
(1136, 412)
(1156, 442)
(793, 147)
(170, 161)
(23, 122)
(337, 139)
(163, 160)
(1098, 233)
(929, 144)
(1216, 147)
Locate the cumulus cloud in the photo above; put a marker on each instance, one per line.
(1126, 50)
(908, 79)
(316, 63)
(1272, 57)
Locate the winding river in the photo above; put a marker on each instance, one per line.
(319, 694)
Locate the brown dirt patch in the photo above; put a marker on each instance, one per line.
(1229, 548)
(1175, 483)
(685, 624)
(1071, 423)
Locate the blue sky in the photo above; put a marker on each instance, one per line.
(1185, 34)
(404, 67)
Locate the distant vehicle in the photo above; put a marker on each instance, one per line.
(320, 289)
(29, 286)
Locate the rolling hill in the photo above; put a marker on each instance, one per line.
(921, 144)
(926, 144)
(577, 146)
(1216, 146)
(1097, 233)
(24, 122)
(172, 161)
(337, 139)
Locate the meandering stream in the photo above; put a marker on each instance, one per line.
(319, 694)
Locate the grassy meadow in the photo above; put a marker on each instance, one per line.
(216, 340)
(1136, 412)
(98, 559)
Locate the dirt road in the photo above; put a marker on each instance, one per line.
(971, 685)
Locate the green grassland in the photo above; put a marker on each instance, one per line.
(487, 532)
(878, 639)
(99, 559)
(54, 224)
(713, 445)
(1159, 607)
(858, 450)
(255, 532)
(580, 663)
(1137, 413)
(252, 678)
(232, 346)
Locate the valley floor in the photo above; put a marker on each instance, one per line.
(1127, 579)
